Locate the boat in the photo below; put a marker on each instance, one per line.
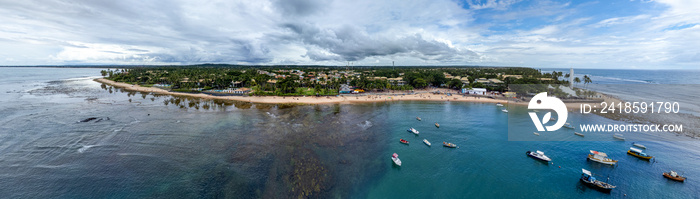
(426, 142)
(619, 136)
(674, 176)
(505, 110)
(499, 104)
(568, 126)
(579, 134)
(412, 130)
(396, 159)
(437, 125)
(536, 133)
(588, 179)
(639, 145)
(638, 153)
(418, 118)
(447, 144)
(552, 118)
(403, 141)
(539, 155)
(601, 158)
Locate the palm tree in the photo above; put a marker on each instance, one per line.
(587, 80)
(577, 80)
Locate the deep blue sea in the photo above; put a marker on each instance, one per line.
(141, 145)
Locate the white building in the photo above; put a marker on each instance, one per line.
(475, 91)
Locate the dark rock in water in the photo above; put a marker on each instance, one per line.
(95, 119)
(88, 119)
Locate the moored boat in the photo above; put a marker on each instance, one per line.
(395, 159)
(674, 176)
(499, 104)
(601, 158)
(450, 145)
(588, 179)
(505, 110)
(579, 134)
(412, 130)
(539, 155)
(437, 125)
(403, 141)
(638, 153)
(619, 136)
(568, 126)
(426, 142)
(639, 145)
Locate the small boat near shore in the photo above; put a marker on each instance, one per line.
(426, 142)
(674, 176)
(601, 157)
(499, 104)
(619, 136)
(579, 134)
(450, 145)
(403, 141)
(639, 145)
(568, 126)
(437, 125)
(505, 110)
(412, 130)
(539, 155)
(395, 159)
(588, 179)
(638, 153)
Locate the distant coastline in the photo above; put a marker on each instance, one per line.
(341, 99)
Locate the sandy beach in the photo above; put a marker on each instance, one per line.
(361, 98)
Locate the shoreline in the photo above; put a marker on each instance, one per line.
(368, 98)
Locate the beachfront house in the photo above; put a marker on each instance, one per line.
(397, 81)
(474, 91)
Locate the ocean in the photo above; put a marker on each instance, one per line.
(63, 135)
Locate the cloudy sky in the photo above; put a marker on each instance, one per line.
(642, 34)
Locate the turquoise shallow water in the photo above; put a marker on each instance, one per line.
(164, 147)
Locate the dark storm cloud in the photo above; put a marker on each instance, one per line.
(299, 7)
(352, 44)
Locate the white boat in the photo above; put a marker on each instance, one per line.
(552, 119)
(537, 134)
(412, 130)
(639, 145)
(579, 134)
(601, 158)
(499, 104)
(505, 110)
(619, 136)
(538, 155)
(418, 118)
(568, 126)
(396, 159)
(426, 142)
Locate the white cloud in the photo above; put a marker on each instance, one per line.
(369, 32)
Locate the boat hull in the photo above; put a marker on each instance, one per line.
(396, 161)
(531, 154)
(647, 158)
(590, 157)
(678, 179)
(596, 187)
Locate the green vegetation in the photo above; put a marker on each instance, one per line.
(328, 80)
